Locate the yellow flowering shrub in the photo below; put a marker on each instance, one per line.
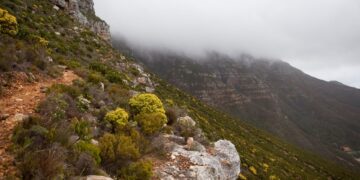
(149, 112)
(8, 23)
(253, 170)
(273, 177)
(119, 118)
(242, 177)
(146, 103)
(265, 166)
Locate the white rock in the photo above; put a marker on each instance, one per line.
(187, 121)
(20, 117)
(56, 8)
(229, 158)
(49, 59)
(224, 165)
(94, 142)
(94, 177)
(19, 100)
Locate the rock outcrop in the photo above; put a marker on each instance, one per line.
(83, 11)
(220, 162)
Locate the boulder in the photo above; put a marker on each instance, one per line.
(229, 158)
(186, 121)
(184, 163)
(60, 3)
(94, 177)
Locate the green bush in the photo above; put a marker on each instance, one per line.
(137, 171)
(43, 164)
(118, 147)
(119, 118)
(95, 77)
(8, 23)
(89, 148)
(146, 103)
(114, 76)
(107, 144)
(99, 67)
(152, 122)
(82, 129)
(73, 91)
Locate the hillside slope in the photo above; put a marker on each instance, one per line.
(73, 131)
(317, 115)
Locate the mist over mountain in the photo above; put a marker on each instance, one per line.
(271, 94)
(319, 37)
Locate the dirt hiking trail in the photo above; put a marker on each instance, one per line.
(21, 102)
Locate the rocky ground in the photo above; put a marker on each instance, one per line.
(18, 103)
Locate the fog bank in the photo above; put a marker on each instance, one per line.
(320, 37)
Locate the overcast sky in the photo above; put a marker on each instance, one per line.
(320, 37)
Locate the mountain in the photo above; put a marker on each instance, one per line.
(272, 95)
(73, 107)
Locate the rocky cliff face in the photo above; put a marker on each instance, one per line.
(317, 115)
(83, 11)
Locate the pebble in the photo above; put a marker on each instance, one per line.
(18, 100)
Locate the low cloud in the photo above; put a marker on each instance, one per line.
(321, 37)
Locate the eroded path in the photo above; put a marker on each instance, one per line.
(21, 101)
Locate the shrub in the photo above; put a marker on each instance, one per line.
(118, 147)
(107, 146)
(99, 67)
(137, 171)
(114, 76)
(73, 91)
(171, 116)
(253, 170)
(54, 108)
(44, 164)
(146, 103)
(39, 40)
(85, 164)
(126, 148)
(82, 129)
(90, 149)
(151, 123)
(95, 77)
(8, 23)
(119, 118)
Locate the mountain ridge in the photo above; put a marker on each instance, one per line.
(271, 95)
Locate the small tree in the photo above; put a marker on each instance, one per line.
(8, 23)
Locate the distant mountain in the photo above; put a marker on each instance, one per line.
(317, 115)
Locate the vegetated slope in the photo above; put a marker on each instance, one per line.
(47, 40)
(314, 114)
(20, 102)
